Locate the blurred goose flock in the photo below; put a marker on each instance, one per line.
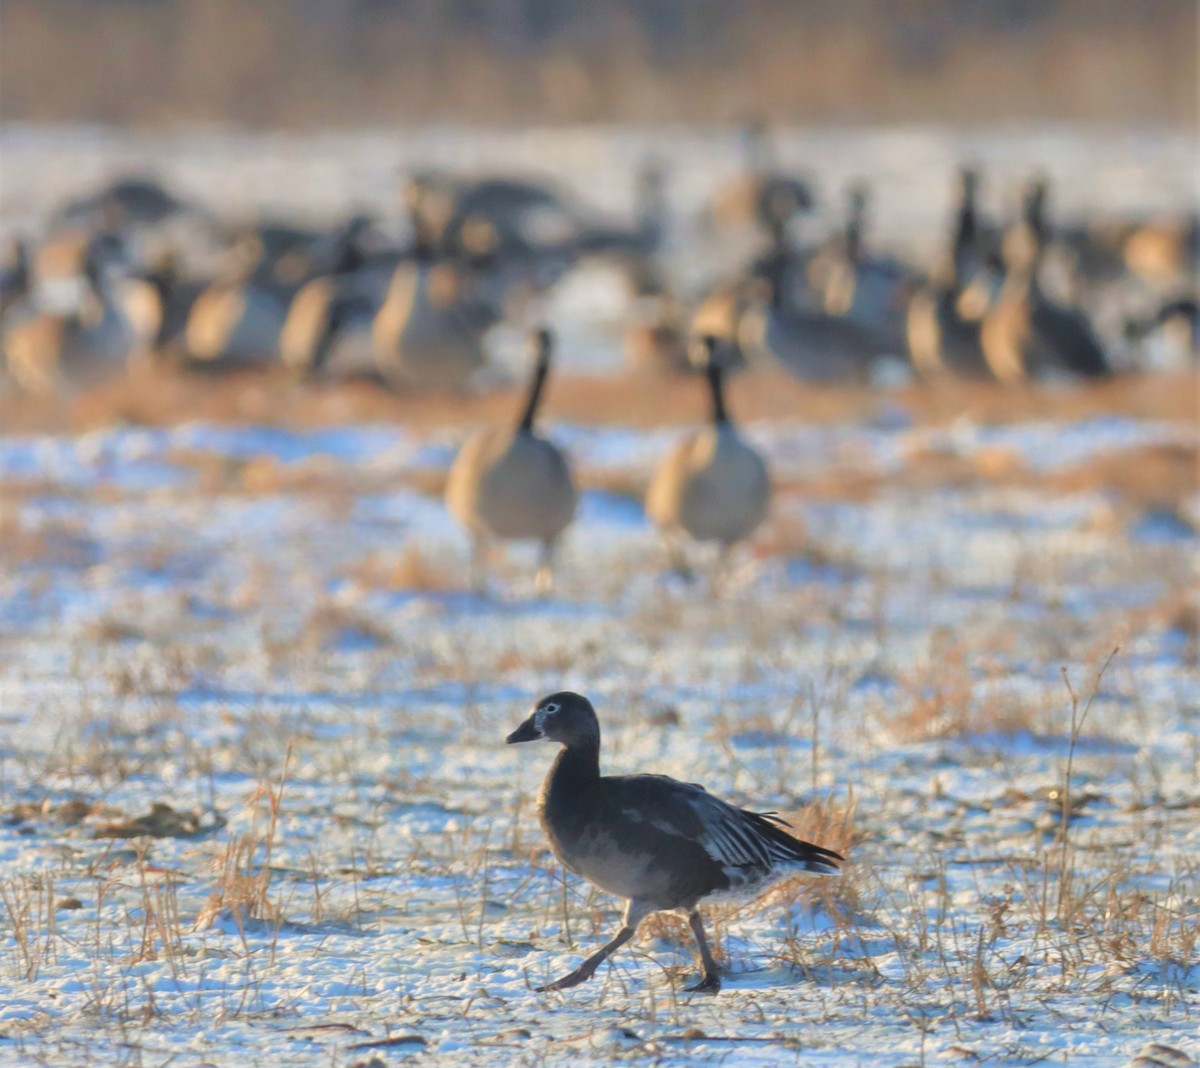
(414, 260)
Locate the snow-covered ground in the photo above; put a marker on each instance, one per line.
(269, 632)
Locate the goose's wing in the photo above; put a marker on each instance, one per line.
(733, 837)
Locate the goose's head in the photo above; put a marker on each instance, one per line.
(563, 717)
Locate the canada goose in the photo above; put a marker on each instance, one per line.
(429, 329)
(327, 330)
(522, 215)
(1166, 252)
(940, 338)
(762, 196)
(127, 201)
(654, 340)
(328, 325)
(1024, 332)
(174, 296)
(719, 316)
(870, 290)
(809, 344)
(661, 844)
(513, 484)
(95, 340)
(1178, 321)
(638, 243)
(941, 335)
(238, 319)
(712, 485)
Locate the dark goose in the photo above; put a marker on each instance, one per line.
(662, 845)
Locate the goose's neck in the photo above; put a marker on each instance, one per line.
(534, 397)
(576, 765)
(966, 232)
(720, 417)
(854, 230)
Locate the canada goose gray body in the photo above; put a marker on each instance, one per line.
(872, 291)
(328, 328)
(511, 484)
(430, 327)
(809, 344)
(236, 322)
(48, 353)
(940, 340)
(105, 320)
(660, 844)
(712, 485)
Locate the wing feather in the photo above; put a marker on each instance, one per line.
(733, 837)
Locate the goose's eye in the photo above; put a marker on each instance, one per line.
(550, 709)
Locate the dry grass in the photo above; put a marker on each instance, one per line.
(947, 696)
(242, 866)
(412, 569)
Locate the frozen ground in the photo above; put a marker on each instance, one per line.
(268, 632)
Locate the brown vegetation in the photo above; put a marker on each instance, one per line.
(283, 64)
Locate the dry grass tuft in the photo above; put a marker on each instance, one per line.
(944, 701)
(331, 624)
(413, 569)
(243, 867)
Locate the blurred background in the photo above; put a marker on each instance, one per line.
(316, 63)
(291, 142)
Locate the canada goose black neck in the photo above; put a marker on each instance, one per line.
(1034, 211)
(854, 223)
(537, 381)
(966, 227)
(716, 386)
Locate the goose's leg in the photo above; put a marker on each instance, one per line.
(635, 912)
(479, 564)
(710, 983)
(543, 580)
(676, 559)
(722, 569)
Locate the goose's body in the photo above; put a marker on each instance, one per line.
(869, 290)
(661, 844)
(512, 484)
(428, 330)
(114, 321)
(712, 485)
(328, 328)
(236, 322)
(941, 337)
(48, 352)
(1026, 333)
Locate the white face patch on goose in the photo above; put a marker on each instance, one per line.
(542, 714)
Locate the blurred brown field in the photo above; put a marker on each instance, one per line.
(273, 397)
(319, 63)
